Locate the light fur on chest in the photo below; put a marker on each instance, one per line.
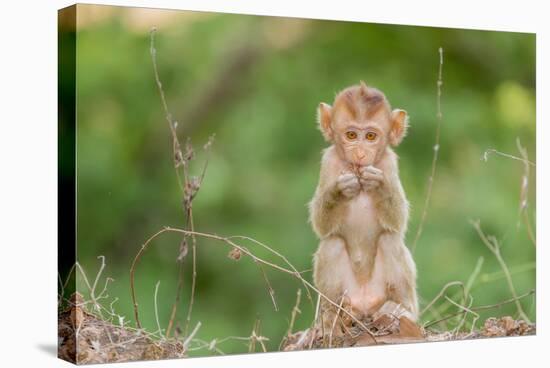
(362, 229)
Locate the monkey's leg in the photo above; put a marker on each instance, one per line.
(373, 292)
(333, 277)
(399, 275)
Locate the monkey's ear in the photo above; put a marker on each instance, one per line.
(324, 118)
(400, 123)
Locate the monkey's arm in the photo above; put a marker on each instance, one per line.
(391, 203)
(392, 206)
(322, 208)
(328, 203)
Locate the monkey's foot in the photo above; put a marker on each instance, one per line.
(393, 318)
(349, 312)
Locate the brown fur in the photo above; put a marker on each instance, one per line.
(359, 210)
(361, 101)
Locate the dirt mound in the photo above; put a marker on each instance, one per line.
(391, 327)
(86, 339)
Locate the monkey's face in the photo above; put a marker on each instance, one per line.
(361, 124)
(361, 143)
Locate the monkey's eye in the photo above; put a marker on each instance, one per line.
(371, 136)
(351, 135)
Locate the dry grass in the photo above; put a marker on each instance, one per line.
(86, 339)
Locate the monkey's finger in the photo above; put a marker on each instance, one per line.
(346, 176)
(371, 176)
(370, 181)
(366, 183)
(349, 192)
(353, 183)
(354, 186)
(345, 181)
(371, 169)
(374, 169)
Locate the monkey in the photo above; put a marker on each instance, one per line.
(359, 210)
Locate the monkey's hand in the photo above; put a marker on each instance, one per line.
(371, 178)
(348, 185)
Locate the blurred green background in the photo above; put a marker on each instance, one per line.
(256, 82)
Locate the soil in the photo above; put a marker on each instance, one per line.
(86, 339)
(389, 328)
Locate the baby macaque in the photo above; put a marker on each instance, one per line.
(359, 210)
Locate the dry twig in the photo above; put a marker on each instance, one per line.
(159, 330)
(524, 192)
(435, 156)
(481, 308)
(336, 316)
(269, 287)
(442, 292)
(494, 246)
(496, 152)
(273, 251)
(295, 311)
(189, 186)
(523, 203)
(228, 241)
(466, 310)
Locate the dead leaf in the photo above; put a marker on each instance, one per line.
(184, 249)
(508, 323)
(385, 323)
(235, 254)
(365, 340)
(408, 328)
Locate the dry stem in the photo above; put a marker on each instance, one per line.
(442, 292)
(189, 187)
(228, 241)
(269, 287)
(524, 192)
(524, 159)
(493, 245)
(273, 251)
(336, 316)
(92, 288)
(157, 309)
(480, 308)
(63, 285)
(256, 337)
(435, 156)
(295, 311)
(494, 151)
(191, 335)
(466, 310)
(194, 275)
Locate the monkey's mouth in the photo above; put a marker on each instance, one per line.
(356, 168)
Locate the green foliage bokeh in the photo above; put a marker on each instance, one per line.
(256, 82)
